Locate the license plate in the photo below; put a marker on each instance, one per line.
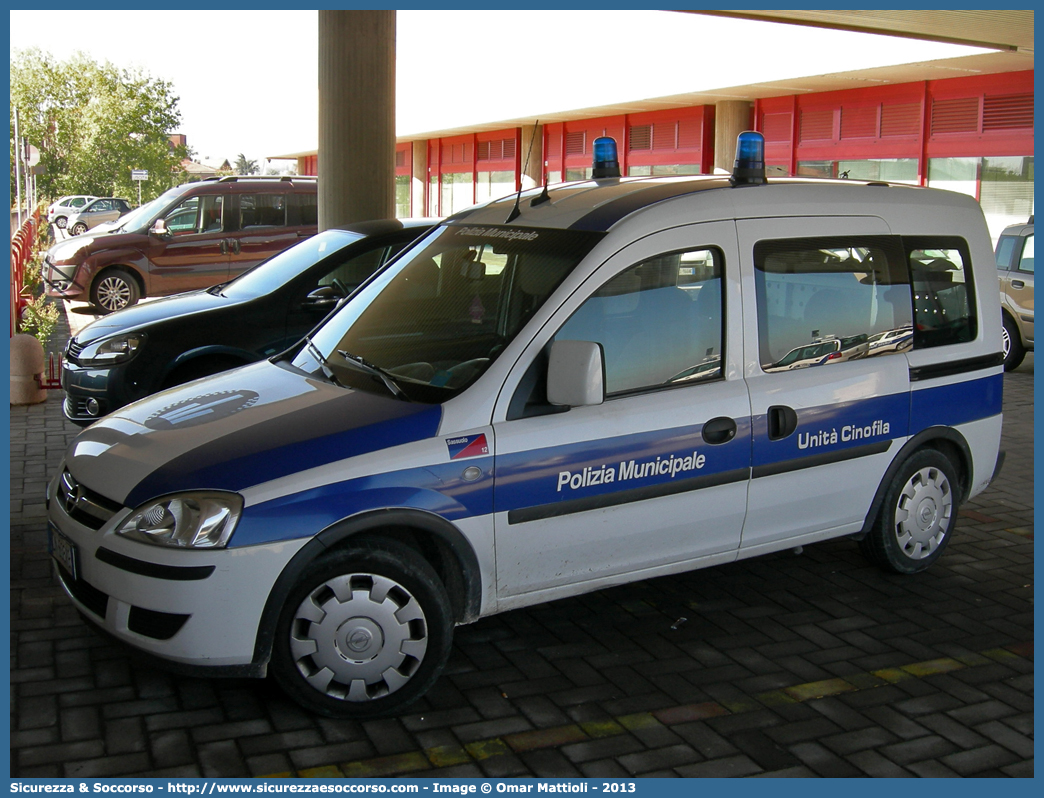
(62, 549)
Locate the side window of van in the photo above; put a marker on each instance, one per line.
(303, 210)
(262, 210)
(827, 300)
(196, 215)
(659, 322)
(944, 306)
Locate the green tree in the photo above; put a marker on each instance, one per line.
(93, 123)
(244, 166)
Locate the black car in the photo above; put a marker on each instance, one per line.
(134, 352)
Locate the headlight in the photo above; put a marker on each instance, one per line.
(118, 349)
(68, 251)
(199, 520)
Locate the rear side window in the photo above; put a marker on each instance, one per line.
(303, 210)
(262, 210)
(824, 301)
(659, 322)
(944, 301)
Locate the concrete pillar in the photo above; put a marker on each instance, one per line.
(356, 116)
(533, 175)
(731, 117)
(419, 183)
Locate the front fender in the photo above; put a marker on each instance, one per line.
(207, 351)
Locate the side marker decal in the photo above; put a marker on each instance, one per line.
(467, 446)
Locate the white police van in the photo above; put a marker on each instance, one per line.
(577, 387)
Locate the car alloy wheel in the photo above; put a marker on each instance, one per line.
(61, 222)
(114, 290)
(79, 228)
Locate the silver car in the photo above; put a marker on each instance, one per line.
(104, 209)
(1015, 270)
(59, 211)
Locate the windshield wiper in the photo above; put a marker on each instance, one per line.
(376, 371)
(327, 371)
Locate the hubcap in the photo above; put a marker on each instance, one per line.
(113, 293)
(922, 514)
(358, 637)
(1005, 341)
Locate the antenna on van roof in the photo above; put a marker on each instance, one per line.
(515, 212)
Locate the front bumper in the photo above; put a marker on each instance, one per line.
(193, 608)
(86, 388)
(62, 281)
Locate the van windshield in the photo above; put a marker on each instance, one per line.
(436, 320)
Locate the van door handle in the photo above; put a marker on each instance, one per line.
(782, 421)
(233, 244)
(719, 430)
(1017, 284)
(224, 246)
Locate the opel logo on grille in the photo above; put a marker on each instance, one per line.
(72, 493)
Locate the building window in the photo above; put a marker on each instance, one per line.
(493, 185)
(457, 192)
(1003, 186)
(402, 196)
(894, 170)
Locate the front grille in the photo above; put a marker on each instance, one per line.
(155, 624)
(84, 505)
(88, 595)
(73, 350)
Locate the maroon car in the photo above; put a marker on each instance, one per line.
(194, 236)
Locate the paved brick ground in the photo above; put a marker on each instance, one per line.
(811, 665)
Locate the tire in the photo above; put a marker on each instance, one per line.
(60, 222)
(364, 632)
(1011, 344)
(114, 290)
(918, 515)
(78, 228)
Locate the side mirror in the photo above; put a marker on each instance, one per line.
(576, 374)
(325, 296)
(159, 229)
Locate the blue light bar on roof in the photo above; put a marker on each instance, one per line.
(749, 168)
(605, 162)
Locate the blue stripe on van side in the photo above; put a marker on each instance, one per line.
(833, 429)
(587, 470)
(438, 489)
(543, 481)
(959, 403)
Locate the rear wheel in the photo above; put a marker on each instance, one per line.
(78, 228)
(364, 632)
(61, 222)
(1011, 344)
(114, 290)
(918, 515)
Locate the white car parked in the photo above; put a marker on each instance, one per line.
(535, 401)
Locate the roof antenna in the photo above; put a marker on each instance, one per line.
(544, 196)
(515, 212)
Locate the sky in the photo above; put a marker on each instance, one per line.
(257, 93)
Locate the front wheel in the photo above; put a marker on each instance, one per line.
(78, 228)
(1011, 344)
(114, 290)
(918, 515)
(364, 632)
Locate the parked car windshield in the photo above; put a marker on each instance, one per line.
(278, 270)
(140, 219)
(436, 319)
